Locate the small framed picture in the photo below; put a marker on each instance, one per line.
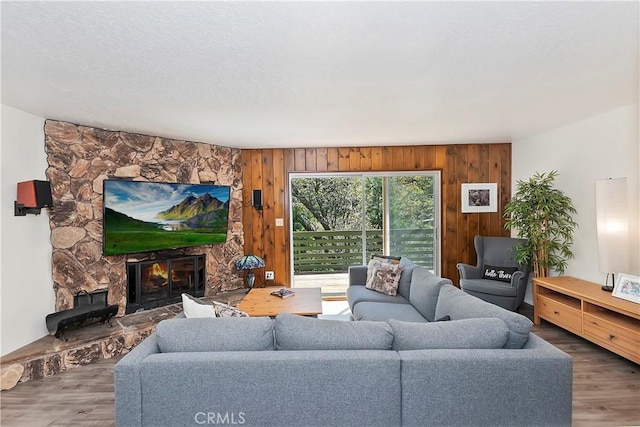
(627, 287)
(480, 197)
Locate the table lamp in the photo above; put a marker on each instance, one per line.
(249, 262)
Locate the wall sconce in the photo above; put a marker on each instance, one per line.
(32, 197)
(256, 199)
(612, 228)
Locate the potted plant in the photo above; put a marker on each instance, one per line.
(542, 215)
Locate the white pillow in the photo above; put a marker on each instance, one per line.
(194, 308)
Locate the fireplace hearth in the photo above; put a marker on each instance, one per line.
(158, 282)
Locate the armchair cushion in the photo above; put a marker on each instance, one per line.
(494, 287)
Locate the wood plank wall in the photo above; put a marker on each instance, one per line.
(269, 169)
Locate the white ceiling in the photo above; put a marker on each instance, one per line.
(292, 74)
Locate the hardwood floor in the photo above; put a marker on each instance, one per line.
(78, 397)
(606, 390)
(606, 387)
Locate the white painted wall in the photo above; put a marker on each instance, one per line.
(26, 285)
(604, 146)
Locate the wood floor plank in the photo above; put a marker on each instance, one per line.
(606, 390)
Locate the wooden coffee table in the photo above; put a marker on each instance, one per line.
(259, 302)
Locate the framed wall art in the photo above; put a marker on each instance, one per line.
(480, 197)
(627, 287)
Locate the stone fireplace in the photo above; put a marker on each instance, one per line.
(157, 282)
(80, 158)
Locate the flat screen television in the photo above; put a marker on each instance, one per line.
(143, 216)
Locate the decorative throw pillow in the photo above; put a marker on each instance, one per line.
(194, 307)
(502, 274)
(386, 258)
(383, 277)
(224, 310)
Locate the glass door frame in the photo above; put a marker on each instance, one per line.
(437, 187)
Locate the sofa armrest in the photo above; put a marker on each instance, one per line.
(127, 382)
(506, 387)
(357, 275)
(469, 271)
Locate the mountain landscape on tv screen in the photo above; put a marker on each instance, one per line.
(204, 211)
(192, 222)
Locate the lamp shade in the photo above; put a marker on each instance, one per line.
(612, 225)
(249, 262)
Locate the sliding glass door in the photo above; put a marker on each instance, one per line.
(338, 220)
(411, 226)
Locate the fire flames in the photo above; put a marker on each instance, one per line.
(158, 276)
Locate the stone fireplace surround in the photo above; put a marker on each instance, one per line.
(81, 157)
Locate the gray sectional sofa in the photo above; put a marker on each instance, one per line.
(297, 371)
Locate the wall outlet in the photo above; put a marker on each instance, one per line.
(269, 275)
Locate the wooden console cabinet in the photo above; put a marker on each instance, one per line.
(586, 310)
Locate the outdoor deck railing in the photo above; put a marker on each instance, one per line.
(334, 251)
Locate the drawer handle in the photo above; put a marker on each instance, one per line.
(555, 312)
(611, 337)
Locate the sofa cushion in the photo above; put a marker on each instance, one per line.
(293, 332)
(404, 285)
(381, 311)
(459, 305)
(457, 334)
(423, 295)
(215, 334)
(357, 294)
(383, 277)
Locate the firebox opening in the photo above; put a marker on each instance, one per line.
(159, 282)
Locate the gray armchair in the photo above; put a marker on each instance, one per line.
(496, 278)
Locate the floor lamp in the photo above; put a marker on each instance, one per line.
(612, 218)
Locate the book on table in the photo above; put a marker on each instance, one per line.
(283, 293)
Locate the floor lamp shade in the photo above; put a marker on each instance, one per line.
(612, 216)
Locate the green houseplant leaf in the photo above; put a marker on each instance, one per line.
(543, 216)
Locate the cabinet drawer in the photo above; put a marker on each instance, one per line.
(560, 314)
(619, 340)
